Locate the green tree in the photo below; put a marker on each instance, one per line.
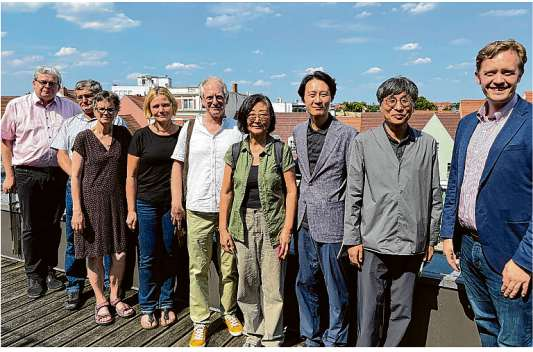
(423, 104)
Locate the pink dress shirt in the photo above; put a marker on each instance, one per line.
(32, 128)
(476, 155)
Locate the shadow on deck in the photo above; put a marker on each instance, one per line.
(45, 323)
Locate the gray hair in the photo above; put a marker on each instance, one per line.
(109, 96)
(216, 79)
(397, 85)
(47, 70)
(92, 85)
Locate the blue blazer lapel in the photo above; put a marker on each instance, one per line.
(513, 124)
(332, 137)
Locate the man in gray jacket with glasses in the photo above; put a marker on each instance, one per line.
(392, 214)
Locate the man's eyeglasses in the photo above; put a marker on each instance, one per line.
(261, 117)
(392, 101)
(219, 98)
(45, 83)
(104, 110)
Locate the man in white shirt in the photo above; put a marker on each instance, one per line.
(212, 135)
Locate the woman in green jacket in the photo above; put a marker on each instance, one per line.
(257, 209)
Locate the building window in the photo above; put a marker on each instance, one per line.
(188, 104)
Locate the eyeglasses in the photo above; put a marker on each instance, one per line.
(261, 117)
(45, 83)
(104, 110)
(219, 98)
(392, 101)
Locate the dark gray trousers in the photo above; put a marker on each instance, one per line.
(385, 298)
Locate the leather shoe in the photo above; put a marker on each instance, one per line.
(53, 283)
(73, 300)
(35, 288)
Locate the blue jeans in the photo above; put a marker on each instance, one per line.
(500, 321)
(157, 257)
(75, 269)
(316, 258)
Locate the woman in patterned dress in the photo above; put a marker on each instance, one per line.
(99, 203)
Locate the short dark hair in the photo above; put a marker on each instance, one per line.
(322, 76)
(247, 106)
(397, 85)
(108, 96)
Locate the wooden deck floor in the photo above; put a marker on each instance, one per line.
(44, 322)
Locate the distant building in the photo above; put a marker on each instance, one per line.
(442, 106)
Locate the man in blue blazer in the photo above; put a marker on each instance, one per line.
(322, 144)
(488, 201)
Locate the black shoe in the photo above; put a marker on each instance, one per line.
(52, 283)
(35, 288)
(73, 300)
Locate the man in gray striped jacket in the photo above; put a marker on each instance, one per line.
(322, 144)
(393, 209)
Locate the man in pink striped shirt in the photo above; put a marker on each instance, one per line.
(29, 126)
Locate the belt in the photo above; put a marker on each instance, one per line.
(44, 169)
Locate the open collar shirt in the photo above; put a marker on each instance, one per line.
(206, 162)
(64, 140)
(32, 127)
(476, 155)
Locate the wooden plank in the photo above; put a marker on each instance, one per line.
(82, 333)
(11, 266)
(32, 309)
(184, 341)
(51, 324)
(124, 331)
(12, 277)
(87, 332)
(236, 341)
(143, 337)
(173, 333)
(218, 334)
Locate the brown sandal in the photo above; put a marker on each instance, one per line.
(102, 319)
(126, 312)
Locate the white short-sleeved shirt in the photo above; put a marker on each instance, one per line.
(206, 162)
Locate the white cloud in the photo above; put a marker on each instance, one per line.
(505, 13)
(22, 6)
(4, 34)
(343, 26)
(180, 66)
(373, 70)
(242, 81)
(363, 14)
(66, 51)
(352, 40)
(310, 70)
(234, 16)
(93, 55)
(228, 69)
(261, 83)
(366, 4)
(7, 53)
(420, 61)
(418, 8)
(460, 41)
(60, 67)
(92, 63)
(278, 76)
(97, 16)
(459, 66)
(295, 83)
(257, 52)
(26, 60)
(409, 46)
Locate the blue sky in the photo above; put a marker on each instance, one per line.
(265, 47)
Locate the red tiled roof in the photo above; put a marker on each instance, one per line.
(467, 106)
(6, 99)
(139, 101)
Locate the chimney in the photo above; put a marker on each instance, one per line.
(234, 87)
